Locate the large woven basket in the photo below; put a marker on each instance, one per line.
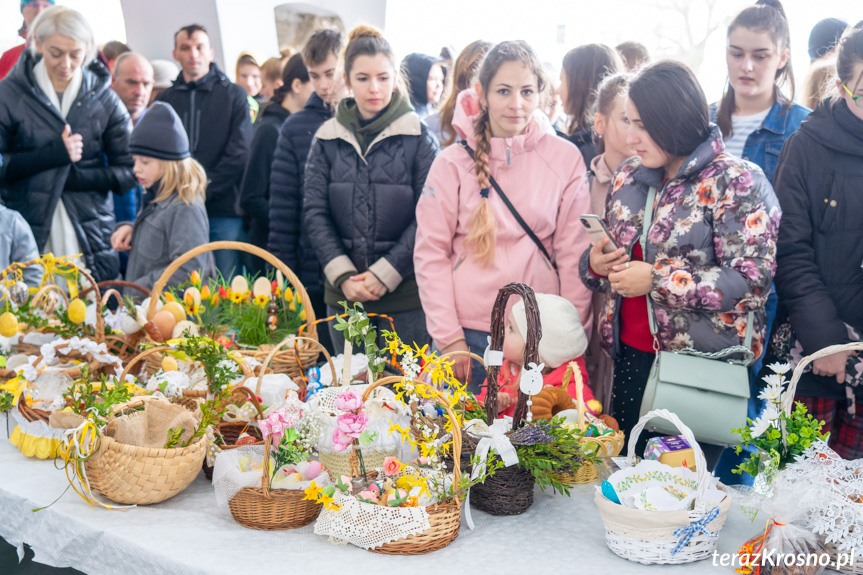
(290, 361)
(510, 490)
(649, 536)
(606, 445)
(271, 510)
(444, 518)
(139, 475)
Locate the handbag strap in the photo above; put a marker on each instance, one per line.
(745, 349)
(512, 210)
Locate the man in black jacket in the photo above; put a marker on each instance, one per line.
(215, 114)
(287, 240)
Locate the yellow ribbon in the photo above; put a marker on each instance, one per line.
(16, 385)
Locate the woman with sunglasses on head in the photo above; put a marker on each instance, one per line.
(819, 278)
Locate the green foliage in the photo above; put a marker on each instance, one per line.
(6, 398)
(211, 356)
(565, 454)
(802, 429)
(83, 399)
(358, 330)
(250, 322)
(287, 452)
(173, 437)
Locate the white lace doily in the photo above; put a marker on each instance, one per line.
(36, 428)
(367, 525)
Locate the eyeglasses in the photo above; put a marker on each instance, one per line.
(858, 100)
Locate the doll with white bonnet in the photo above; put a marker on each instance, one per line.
(563, 341)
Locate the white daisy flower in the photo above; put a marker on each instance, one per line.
(780, 368)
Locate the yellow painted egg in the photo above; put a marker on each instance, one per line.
(77, 311)
(169, 363)
(8, 324)
(594, 406)
(176, 310)
(165, 321)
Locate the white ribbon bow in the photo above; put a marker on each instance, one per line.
(245, 413)
(491, 437)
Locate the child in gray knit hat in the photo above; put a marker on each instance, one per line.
(174, 218)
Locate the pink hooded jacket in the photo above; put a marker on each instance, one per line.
(544, 177)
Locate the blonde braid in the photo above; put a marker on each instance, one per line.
(482, 229)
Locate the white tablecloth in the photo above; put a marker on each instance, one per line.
(189, 535)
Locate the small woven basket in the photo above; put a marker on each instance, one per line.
(444, 518)
(272, 510)
(124, 346)
(649, 536)
(607, 445)
(134, 475)
(289, 361)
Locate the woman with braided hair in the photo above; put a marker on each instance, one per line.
(469, 241)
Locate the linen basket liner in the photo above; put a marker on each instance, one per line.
(149, 428)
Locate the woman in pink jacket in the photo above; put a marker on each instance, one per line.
(469, 244)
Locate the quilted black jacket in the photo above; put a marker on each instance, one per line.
(360, 210)
(36, 172)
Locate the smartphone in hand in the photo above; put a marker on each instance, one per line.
(596, 230)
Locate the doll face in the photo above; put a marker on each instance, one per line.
(513, 342)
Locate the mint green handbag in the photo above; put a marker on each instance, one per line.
(708, 393)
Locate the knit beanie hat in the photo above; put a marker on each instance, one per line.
(25, 2)
(563, 337)
(160, 134)
(824, 36)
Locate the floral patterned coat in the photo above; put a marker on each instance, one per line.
(712, 244)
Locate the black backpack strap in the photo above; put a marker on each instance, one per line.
(513, 211)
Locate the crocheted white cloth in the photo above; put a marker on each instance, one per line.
(367, 525)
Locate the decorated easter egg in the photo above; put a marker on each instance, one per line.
(49, 302)
(19, 293)
(594, 406)
(77, 311)
(176, 310)
(262, 286)
(129, 324)
(181, 327)
(313, 470)
(165, 322)
(169, 363)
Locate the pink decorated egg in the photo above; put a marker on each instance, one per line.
(313, 470)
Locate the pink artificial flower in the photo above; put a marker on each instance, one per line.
(347, 481)
(392, 466)
(368, 495)
(423, 460)
(341, 441)
(400, 492)
(278, 421)
(349, 401)
(352, 424)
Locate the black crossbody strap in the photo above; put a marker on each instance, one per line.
(513, 211)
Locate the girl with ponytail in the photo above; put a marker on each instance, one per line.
(365, 172)
(819, 280)
(754, 115)
(469, 243)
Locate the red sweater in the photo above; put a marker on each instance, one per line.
(507, 382)
(9, 59)
(634, 323)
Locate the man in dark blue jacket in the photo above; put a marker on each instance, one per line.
(288, 241)
(215, 114)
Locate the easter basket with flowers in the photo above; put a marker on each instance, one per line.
(403, 508)
(250, 314)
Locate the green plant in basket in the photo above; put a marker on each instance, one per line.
(766, 432)
(359, 331)
(97, 401)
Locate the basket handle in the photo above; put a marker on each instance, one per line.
(444, 402)
(248, 393)
(700, 462)
(572, 370)
(106, 297)
(50, 287)
(293, 339)
(118, 284)
(160, 284)
(788, 401)
(244, 366)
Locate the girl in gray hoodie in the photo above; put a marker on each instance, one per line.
(174, 219)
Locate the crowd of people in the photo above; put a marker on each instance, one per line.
(420, 186)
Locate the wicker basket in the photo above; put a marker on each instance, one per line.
(139, 475)
(510, 490)
(271, 510)
(159, 351)
(607, 445)
(289, 361)
(444, 518)
(649, 536)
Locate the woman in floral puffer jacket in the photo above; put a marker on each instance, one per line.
(711, 247)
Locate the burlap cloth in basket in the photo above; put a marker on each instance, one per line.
(653, 525)
(64, 420)
(149, 428)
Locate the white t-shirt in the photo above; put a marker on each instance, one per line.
(742, 127)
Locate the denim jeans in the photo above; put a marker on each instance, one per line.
(224, 228)
(477, 341)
